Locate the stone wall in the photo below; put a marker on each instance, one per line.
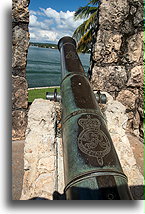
(43, 152)
(116, 117)
(43, 157)
(117, 58)
(20, 42)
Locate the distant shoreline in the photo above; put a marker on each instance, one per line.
(43, 45)
(44, 87)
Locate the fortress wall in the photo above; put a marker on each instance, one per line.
(117, 58)
(20, 43)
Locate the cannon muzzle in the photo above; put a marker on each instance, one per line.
(91, 165)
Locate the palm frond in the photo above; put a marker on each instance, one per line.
(79, 31)
(84, 33)
(90, 21)
(84, 12)
(85, 41)
(84, 27)
(94, 2)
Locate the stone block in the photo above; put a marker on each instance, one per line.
(136, 9)
(109, 78)
(135, 48)
(20, 12)
(140, 102)
(117, 121)
(136, 77)
(20, 43)
(19, 93)
(107, 47)
(19, 124)
(40, 177)
(114, 12)
(127, 98)
(19, 72)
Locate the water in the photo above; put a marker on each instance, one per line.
(43, 66)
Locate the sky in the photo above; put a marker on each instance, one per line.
(50, 20)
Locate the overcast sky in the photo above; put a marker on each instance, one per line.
(52, 20)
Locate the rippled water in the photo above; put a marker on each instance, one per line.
(43, 67)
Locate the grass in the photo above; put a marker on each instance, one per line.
(39, 93)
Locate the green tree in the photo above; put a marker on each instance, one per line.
(84, 33)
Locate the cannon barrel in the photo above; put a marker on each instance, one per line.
(92, 170)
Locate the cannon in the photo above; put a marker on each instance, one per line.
(92, 170)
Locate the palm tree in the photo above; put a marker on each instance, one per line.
(84, 33)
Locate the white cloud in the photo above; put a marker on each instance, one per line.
(32, 12)
(47, 35)
(49, 12)
(32, 36)
(33, 20)
(66, 15)
(47, 25)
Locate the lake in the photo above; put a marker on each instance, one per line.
(44, 68)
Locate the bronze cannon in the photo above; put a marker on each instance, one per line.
(91, 166)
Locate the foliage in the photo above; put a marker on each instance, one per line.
(84, 33)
